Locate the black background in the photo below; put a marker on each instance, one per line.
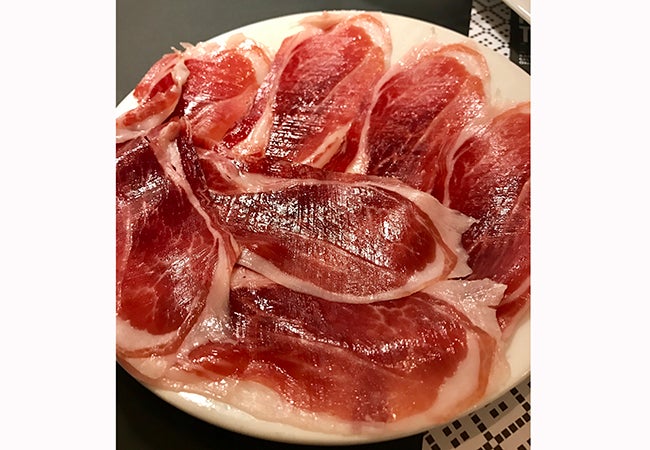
(147, 29)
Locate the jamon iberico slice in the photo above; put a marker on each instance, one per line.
(490, 181)
(157, 95)
(345, 237)
(212, 84)
(222, 83)
(319, 81)
(299, 359)
(418, 110)
(172, 263)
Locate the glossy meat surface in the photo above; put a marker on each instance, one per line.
(168, 255)
(305, 350)
(345, 237)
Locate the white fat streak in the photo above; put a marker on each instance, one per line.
(179, 73)
(475, 127)
(414, 284)
(258, 138)
(328, 148)
(123, 134)
(131, 338)
(377, 28)
(455, 393)
(169, 158)
(243, 277)
(260, 134)
(153, 367)
(450, 223)
(473, 60)
(476, 299)
(463, 384)
(361, 160)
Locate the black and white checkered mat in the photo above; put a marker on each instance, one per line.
(499, 28)
(501, 425)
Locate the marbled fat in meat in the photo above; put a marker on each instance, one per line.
(212, 84)
(222, 83)
(490, 181)
(168, 255)
(157, 95)
(418, 110)
(306, 348)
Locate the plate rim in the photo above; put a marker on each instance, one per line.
(520, 7)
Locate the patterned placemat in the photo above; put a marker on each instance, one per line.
(503, 424)
(499, 28)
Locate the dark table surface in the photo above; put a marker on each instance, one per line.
(146, 29)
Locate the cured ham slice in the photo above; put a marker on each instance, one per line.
(490, 181)
(157, 95)
(172, 263)
(317, 85)
(303, 360)
(418, 111)
(345, 237)
(221, 86)
(212, 84)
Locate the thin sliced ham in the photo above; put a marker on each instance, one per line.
(222, 83)
(157, 95)
(418, 110)
(319, 239)
(172, 263)
(211, 84)
(490, 181)
(317, 85)
(306, 361)
(345, 237)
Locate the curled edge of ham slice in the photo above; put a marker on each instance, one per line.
(222, 85)
(161, 89)
(157, 95)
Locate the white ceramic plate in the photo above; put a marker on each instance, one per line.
(509, 82)
(521, 7)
